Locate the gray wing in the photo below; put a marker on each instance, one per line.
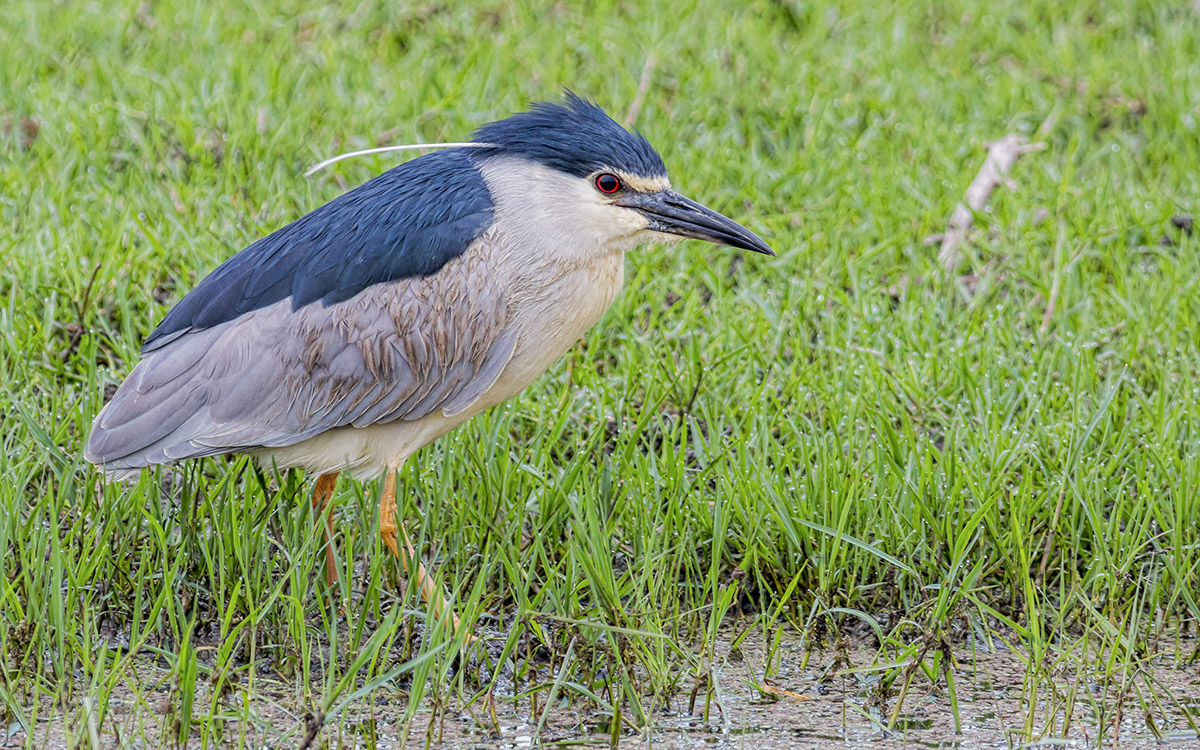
(274, 377)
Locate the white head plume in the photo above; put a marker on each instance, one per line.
(382, 149)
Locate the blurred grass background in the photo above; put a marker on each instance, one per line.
(846, 440)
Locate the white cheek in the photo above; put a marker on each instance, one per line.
(548, 214)
(619, 224)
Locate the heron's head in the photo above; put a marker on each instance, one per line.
(569, 174)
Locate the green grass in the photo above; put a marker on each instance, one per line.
(846, 440)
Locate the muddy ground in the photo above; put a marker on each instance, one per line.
(830, 700)
(835, 706)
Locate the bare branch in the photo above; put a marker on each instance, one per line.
(639, 98)
(1002, 154)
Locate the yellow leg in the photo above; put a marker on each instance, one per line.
(322, 492)
(430, 591)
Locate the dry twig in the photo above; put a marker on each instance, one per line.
(770, 687)
(1002, 154)
(639, 98)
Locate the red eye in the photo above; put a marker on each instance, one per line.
(607, 183)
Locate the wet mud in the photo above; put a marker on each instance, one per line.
(830, 698)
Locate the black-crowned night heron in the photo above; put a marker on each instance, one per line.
(359, 333)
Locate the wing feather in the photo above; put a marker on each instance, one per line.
(408, 222)
(276, 376)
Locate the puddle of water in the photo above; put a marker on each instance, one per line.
(811, 734)
(799, 733)
(1179, 737)
(907, 722)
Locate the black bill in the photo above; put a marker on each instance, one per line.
(672, 213)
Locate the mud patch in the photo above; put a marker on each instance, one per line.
(810, 699)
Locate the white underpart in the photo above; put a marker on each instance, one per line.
(361, 452)
(560, 256)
